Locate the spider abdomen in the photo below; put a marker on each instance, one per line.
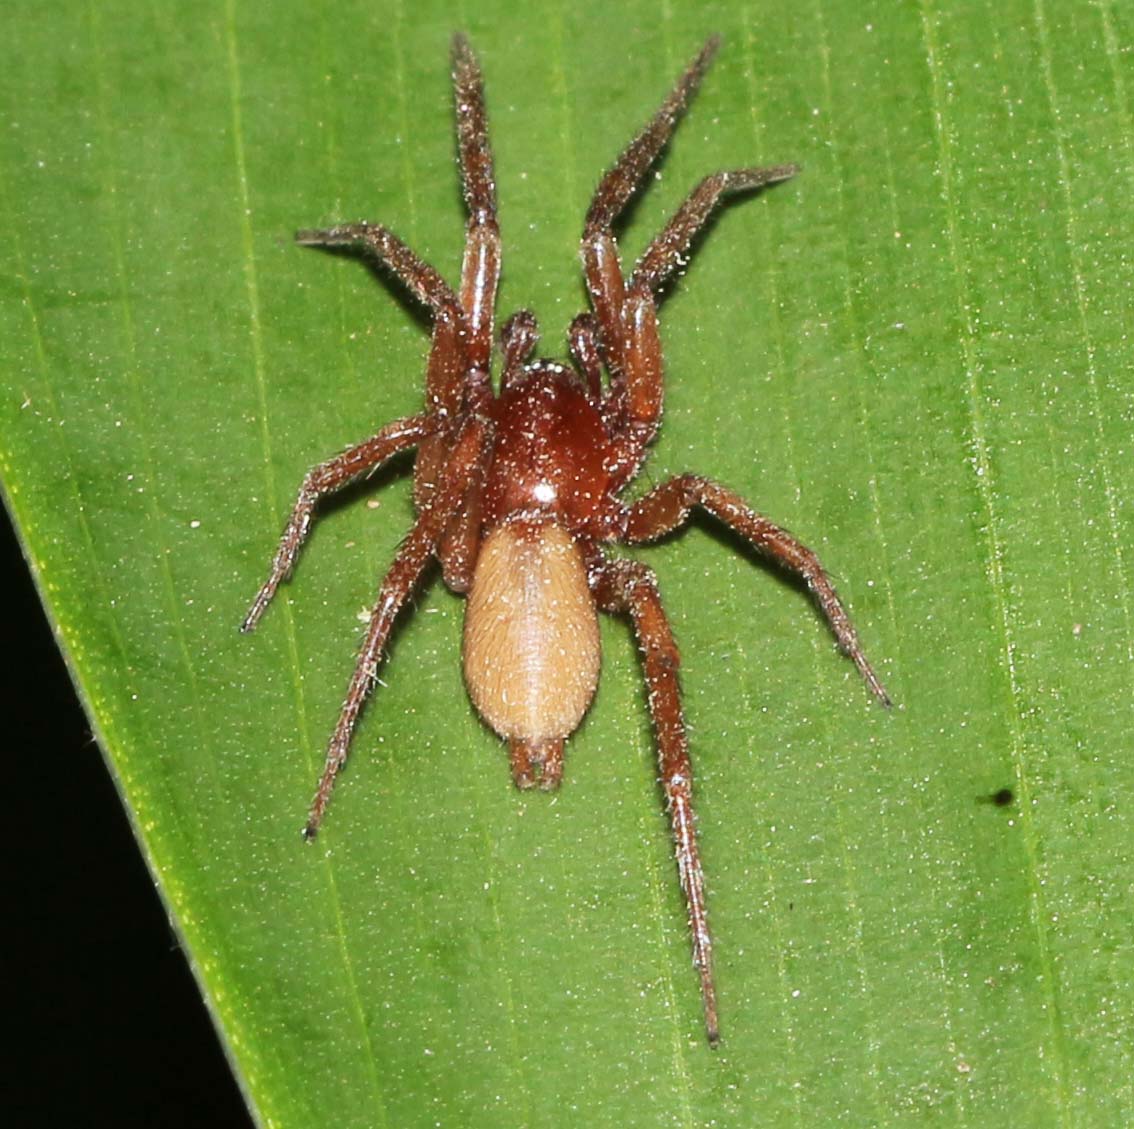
(531, 647)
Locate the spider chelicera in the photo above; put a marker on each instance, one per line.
(517, 491)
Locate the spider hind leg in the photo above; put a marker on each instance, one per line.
(629, 587)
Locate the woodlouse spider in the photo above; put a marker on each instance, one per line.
(517, 491)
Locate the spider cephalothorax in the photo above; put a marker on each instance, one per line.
(517, 491)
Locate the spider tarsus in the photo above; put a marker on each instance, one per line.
(709, 49)
(461, 49)
(740, 180)
(709, 995)
(877, 688)
(777, 174)
(259, 606)
(310, 237)
(253, 616)
(851, 647)
(873, 682)
(309, 832)
(341, 235)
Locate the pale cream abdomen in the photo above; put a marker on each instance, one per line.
(531, 649)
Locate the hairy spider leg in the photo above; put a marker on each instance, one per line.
(480, 270)
(669, 505)
(622, 586)
(468, 452)
(480, 274)
(667, 252)
(628, 335)
(621, 181)
(448, 361)
(448, 379)
(325, 479)
(422, 280)
(449, 332)
(627, 309)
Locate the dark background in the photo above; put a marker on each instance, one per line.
(106, 1020)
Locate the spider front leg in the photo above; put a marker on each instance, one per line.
(446, 370)
(448, 365)
(627, 586)
(668, 250)
(467, 455)
(634, 403)
(325, 479)
(426, 285)
(626, 310)
(451, 377)
(480, 269)
(668, 506)
(618, 185)
(628, 329)
(480, 274)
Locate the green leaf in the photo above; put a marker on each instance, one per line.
(916, 355)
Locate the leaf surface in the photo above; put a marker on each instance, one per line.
(915, 355)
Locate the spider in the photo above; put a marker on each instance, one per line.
(517, 491)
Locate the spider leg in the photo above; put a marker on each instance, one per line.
(480, 273)
(621, 181)
(599, 252)
(467, 453)
(627, 320)
(632, 413)
(449, 368)
(422, 281)
(480, 270)
(445, 377)
(668, 250)
(668, 506)
(324, 479)
(460, 543)
(629, 586)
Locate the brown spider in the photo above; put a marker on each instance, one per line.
(517, 492)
